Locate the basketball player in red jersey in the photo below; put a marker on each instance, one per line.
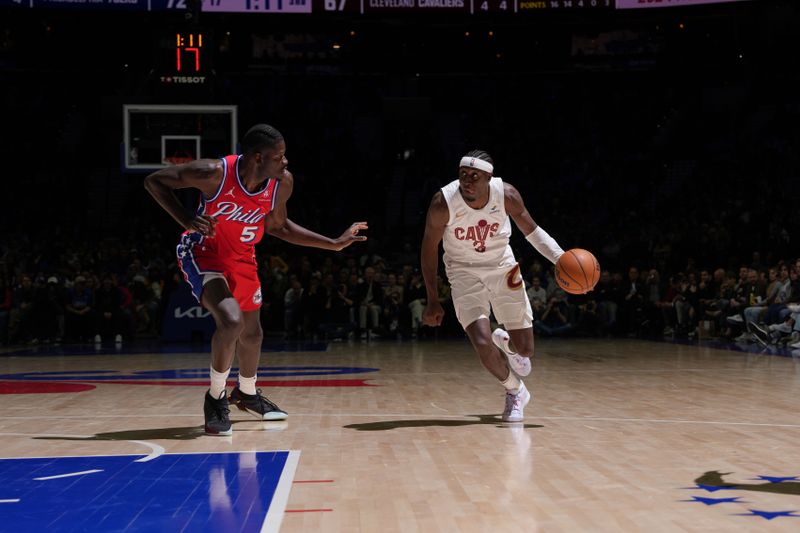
(241, 198)
(471, 216)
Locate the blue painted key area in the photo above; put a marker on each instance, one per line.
(173, 492)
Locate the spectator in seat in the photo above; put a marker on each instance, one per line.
(51, 314)
(23, 299)
(108, 309)
(314, 304)
(370, 302)
(555, 318)
(633, 302)
(5, 308)
(293, 308)
(537, 296)
(392, 300)
(416, 296)
(80, 320)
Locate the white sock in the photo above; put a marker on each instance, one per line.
(247, 385)
(512, 383)
(218, 382)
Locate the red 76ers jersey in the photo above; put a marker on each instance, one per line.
(240, 214)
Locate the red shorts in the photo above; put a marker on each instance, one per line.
(199, 264)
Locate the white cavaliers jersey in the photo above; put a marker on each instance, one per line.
(477, 237)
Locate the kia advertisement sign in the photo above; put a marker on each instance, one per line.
(185, 320)
(637, 4)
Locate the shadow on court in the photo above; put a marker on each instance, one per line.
(179, 433)
(493, 420)
(714, 479)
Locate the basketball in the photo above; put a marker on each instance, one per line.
(577, 271)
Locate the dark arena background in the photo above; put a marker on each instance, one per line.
(661, 135)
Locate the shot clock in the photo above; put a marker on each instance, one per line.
(185, 56)
(189, 53)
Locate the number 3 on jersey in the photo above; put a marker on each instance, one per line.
(248, 233)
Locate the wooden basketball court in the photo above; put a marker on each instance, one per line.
(621, 435)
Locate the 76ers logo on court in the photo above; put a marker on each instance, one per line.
(477, 234)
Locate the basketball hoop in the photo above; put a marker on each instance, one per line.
(177, 160)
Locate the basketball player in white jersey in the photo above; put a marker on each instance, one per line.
(471, 216)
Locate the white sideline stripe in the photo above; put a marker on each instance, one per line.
(10, 501)
(277, 507)
(73, 474)
(137, 454)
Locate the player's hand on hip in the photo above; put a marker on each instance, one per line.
(203, 224)
(433, 314)
(351, 235)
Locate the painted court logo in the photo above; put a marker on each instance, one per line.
(752, 496)
(478, 234)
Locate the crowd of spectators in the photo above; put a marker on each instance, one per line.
(118, 292)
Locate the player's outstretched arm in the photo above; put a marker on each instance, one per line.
(544, 243)
(203, 174)
(435, 224)
(278, 224)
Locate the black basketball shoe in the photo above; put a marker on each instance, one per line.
(217, 412)
(257, 405)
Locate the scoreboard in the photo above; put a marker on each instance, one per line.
(364, 7)
(454, 6)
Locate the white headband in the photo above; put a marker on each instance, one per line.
(474, 162)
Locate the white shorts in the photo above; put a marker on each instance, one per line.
(478, 291)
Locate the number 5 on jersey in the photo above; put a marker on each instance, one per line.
(248, 233)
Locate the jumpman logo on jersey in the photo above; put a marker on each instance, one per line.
(230, 193)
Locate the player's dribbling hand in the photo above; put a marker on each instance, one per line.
(203, 224)
(433, 314)
(351, 235)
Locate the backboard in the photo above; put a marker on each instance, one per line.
(157, 136)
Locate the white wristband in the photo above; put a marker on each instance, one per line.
(545, 244)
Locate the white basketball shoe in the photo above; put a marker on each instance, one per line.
(515, 404)
(519, 364)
